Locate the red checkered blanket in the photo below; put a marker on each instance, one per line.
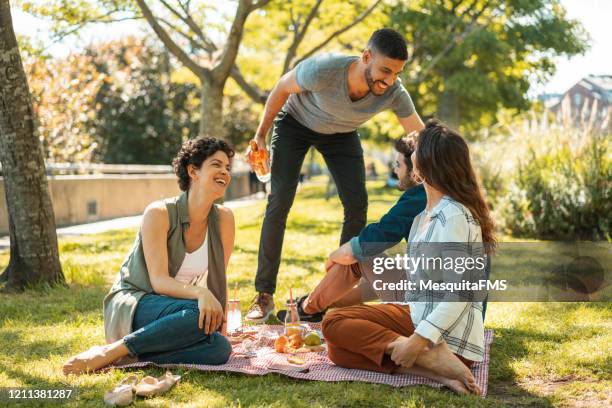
(322, 369)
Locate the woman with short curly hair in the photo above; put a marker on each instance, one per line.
(168, 301)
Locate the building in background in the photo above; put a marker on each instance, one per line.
(586, 104)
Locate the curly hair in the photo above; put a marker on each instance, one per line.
(195, 152)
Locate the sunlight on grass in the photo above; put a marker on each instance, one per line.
(542, 355)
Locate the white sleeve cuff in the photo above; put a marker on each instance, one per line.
(429, 331)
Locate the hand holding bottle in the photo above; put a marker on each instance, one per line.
(259, 159)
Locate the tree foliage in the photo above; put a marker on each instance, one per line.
(115, 102)
(141, 116)
(190, 31)
(470, 58)
(63, 95)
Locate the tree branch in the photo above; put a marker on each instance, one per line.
(172, 9)
(252, 91)
(471, 28)
(103, 19)
(223, 69)
(195, 44)
(185, 6)
(193, 26)
(336, 33)
(172, 46)
(260, 4)
(298, 36)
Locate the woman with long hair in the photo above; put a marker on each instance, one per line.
(168, 301)
(433, 335)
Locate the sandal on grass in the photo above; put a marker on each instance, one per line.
(123, 394)
(151, 386)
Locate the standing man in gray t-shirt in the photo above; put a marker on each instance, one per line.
(322, 102)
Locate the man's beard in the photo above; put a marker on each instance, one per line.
(371, 83)
(406, 182)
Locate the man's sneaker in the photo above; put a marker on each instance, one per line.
(304, 317)
(261, 308)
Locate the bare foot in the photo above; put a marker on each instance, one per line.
(90, 360)
(455, 385)
(443, 362)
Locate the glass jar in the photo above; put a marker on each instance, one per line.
(234, 316)
(292, 320)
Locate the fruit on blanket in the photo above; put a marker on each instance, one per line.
(312, 339)
(295, 341)
(295, 360)
(281, 343)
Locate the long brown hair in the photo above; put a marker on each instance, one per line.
(443, 161)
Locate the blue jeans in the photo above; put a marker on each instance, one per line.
(166, 332)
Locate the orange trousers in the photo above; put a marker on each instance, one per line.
(345, 285)
(357, 336)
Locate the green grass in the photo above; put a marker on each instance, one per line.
(544, 354)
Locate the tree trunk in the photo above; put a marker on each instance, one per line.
(211, 109)
(34, 257)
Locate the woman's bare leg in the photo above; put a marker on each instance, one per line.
(95, 358)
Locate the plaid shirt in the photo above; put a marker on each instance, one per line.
(459, 323)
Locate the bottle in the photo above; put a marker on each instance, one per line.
(234, 316)
(292, 319)
(259, 159)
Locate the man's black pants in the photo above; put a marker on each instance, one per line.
(343, 155)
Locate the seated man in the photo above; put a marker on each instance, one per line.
(339, 289)
(348, 268)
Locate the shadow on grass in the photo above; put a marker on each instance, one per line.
(240, 249)
(53, 305)
(17, 348)
(312, 265)
(251, 225)
(510, 345)
(32, 381)
(318, 228)
(513, 344)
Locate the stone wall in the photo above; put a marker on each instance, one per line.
(80, 199)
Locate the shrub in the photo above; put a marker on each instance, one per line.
(563, 192)
(546, 179)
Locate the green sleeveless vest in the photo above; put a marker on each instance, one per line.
(132, 281)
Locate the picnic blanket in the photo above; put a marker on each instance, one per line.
(321, 368)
